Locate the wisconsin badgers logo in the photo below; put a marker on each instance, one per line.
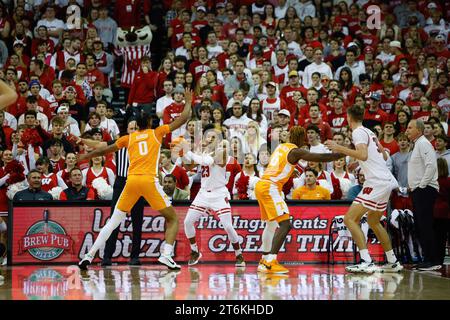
(367, 190)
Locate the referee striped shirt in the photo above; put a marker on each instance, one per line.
(122, 161)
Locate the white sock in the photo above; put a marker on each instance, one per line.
(117, 217)
(194, 247)
(390, 255)
(265, 256)
(3, 226)
(365, 255)
(271, 257)
(168, 249)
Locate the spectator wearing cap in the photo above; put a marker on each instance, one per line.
(32, 105)
(19, 48)
(287, 92)
(374, 115)
(43, 105)
(255, 59)
(221, 12)
(54, 26)
(317, 66)
(273, 103)
(357, 67)
(71, 126)
(172, 112)
(200, 18)
(143, 90)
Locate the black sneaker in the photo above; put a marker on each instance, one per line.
(106, 262)
(134, 262)
(195, 257)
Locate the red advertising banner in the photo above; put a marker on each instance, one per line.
(69, 233)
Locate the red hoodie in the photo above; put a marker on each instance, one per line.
(143, 89)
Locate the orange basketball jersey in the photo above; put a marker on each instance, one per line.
(143, 149)
(279, 169)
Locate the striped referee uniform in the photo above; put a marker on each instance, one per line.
(137, 213)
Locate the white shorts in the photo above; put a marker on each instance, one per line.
(216, 201)
(375, 196)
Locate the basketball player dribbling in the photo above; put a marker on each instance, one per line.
(144, 148)
(374, 196)
(213, 197)
(270, 197)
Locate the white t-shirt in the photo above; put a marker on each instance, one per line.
(52, 26)
(40, 116)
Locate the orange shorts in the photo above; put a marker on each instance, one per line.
(271, 201)
(142, 186)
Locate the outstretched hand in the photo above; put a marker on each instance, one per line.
(188, 94)
(333, 146)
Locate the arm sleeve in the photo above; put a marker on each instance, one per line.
(111, 176)
(122, 142)
(204, 160)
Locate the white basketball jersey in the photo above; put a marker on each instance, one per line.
(269, 106)
(213, 177)
(374, 168)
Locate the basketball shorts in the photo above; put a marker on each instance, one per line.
(212, 202)
(375, 194)
(144, 186)
(271, 201)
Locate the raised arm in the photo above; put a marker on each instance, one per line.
(7, 95)
(184, 116)
(98, 152)
(300, 154)
(92, 143)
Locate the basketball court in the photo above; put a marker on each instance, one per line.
(217, 282)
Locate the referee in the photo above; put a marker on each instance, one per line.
(424, 186)
(137, 213)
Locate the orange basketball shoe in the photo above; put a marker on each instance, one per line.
(275, 267)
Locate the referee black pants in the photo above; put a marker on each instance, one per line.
(137, 217)
(423, 204)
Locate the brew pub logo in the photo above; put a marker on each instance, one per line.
(46, 240)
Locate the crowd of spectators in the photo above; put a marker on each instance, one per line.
(256, 68)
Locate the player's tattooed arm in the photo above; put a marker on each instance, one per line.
(297, 154)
